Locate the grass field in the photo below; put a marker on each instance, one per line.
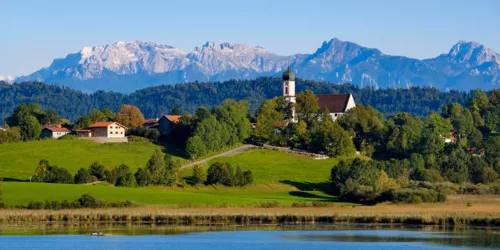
(274, 167)
(19, 193)
(19, 160)
(278, 176)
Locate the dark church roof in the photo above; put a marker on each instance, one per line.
(336, 103)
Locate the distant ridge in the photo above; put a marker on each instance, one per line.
(128, 66)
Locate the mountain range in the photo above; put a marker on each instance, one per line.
(128, 66)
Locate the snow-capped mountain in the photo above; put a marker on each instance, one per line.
(127, 66)
(8, 79)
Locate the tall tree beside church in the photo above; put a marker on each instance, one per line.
(329, 136)
(365, 124)
(307, 107)
(130, 116)
(403, 134)
(267, 117)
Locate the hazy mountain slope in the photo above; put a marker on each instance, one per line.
(128, 66)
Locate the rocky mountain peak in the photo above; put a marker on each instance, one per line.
(472, 53)
(126, 66)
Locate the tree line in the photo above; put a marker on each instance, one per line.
(422, 159)
(159, 100)
(160, 170)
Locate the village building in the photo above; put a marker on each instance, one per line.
(150, 123)
(103, 129)
(53, 131)
(337, 104)
(166, 123)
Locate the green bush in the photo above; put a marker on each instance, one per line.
(68, 137)
(414, 196)
(137, 139)
(51, 174)
(85, 201)
(82, 176)
(98, 170)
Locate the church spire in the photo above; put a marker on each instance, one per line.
(288, 75)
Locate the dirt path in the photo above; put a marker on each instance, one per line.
(237, 150)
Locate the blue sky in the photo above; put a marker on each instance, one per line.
(34, 32)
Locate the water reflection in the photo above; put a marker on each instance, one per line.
(467, 238)
(62, 236)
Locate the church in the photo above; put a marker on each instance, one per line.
(337, 104)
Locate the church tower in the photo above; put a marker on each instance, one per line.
(288, 87)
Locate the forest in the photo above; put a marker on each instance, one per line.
(159, 100)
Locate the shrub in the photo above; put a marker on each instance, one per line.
(414, 196)
(141, 132)
(142, 177)
(68, 137)
(220, 173)
(198, 175)
(113, 175)
(469, 188)
(489, 175)
(98, 170)
(127, 180)
(432, 175)
(34, 205)
(137, 139)
(269, 204)
(87, 201)
(82, 176)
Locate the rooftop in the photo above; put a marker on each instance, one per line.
(335, 103)
(173, 118)
(55, 129)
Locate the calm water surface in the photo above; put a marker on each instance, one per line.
(150, 237)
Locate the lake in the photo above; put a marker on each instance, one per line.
(286, 238)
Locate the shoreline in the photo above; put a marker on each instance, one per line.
(424, 214)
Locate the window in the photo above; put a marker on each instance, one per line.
(121, 133)
(116, 127)
(111, 132)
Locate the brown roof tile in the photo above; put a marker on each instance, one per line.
(57, 129)
(173, 118)
(334, 102)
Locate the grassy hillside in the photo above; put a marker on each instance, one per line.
(19, 160)
(278, 176)
(18, 193)
(274, 167)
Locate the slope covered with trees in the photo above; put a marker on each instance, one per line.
(155, 101)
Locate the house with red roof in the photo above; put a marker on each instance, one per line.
(103, 129)
(166, 123)
(53, 131)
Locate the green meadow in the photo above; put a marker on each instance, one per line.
(278, 176)
(19, 193)
(18, 161)
(274, 167)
